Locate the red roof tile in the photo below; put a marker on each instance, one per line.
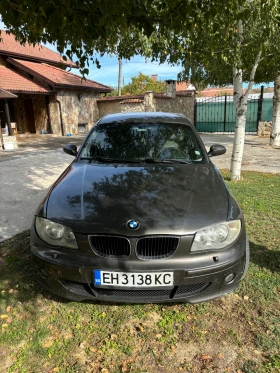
(185, 93)
(120, 98)
(216, 91)
(139, 96)
(12, 81)
(58, 77)
(132, 100)
(10, 47)
(182, 86)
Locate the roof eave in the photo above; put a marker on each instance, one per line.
(81, 87)
(37, 59)
(48, 93)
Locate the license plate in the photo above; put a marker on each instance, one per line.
(133, 280)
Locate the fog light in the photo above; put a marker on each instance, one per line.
(230, 278)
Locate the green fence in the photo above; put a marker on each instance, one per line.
(267, 110)
(218, 114)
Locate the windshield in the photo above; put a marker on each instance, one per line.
(143, 141)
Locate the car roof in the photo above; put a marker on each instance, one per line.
(145, 117)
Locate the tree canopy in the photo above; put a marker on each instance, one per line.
(141, 84)
(123, 27)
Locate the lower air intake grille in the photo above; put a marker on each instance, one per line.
(190, 289)
(156, 247)
(89, 291)
(176, 292)
(110, 247)
(133, 293)
(77, 288)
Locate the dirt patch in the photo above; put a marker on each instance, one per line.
(6, 361)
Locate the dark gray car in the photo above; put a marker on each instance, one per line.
(141, 215)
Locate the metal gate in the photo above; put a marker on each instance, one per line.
(218, 114)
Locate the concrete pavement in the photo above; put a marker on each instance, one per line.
(27, 173)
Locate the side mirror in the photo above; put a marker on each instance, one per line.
(70, 149)
(216, 150)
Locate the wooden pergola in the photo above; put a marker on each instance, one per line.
(5, 95)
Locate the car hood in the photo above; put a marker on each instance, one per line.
(164, 199)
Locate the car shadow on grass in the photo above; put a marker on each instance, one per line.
(18, 273)
(264, 257)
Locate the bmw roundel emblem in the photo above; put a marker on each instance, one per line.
(133, 224)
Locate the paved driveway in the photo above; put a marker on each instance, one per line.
(257, 156)
(27, 173)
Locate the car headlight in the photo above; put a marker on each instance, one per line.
(216, 236)
(55, 234)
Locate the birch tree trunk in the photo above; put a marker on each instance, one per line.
(275, 129)
(240, 102)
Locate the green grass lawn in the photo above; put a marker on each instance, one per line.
(239, 332)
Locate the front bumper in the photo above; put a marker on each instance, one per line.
(73, 279)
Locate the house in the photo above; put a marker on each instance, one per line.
(40, 94)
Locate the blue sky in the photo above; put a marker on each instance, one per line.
(108, 74)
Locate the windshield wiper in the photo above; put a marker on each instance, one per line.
(114, 160)
(156, 160)
(145, 160)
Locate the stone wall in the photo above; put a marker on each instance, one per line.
(54, 116)
(128, 107)
(264, 129)
(178, 104)
(183, 104)
(40, 113)
(149, 101)
(109, 107)
(76, 107)
(39, 109)
(20, 116)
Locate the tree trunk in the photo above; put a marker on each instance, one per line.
(240, 102)
(275, 129)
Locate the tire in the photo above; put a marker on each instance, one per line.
(247, 259)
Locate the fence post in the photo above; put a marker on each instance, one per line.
(260, 102)
(225, 113)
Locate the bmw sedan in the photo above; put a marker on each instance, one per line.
(140, 215)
